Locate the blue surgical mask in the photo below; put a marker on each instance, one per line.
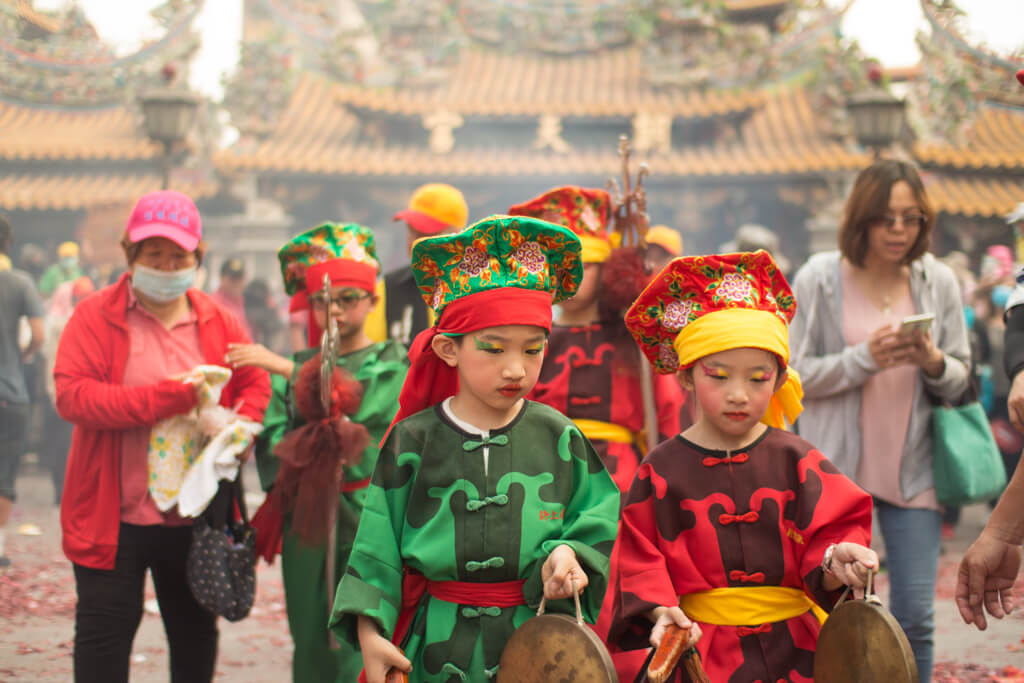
(69, 262)
(162, 286)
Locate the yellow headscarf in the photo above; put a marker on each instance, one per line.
(700, 305)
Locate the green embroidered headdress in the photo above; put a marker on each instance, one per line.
(498, 252)
(345, 253)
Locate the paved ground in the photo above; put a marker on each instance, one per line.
(37, 607)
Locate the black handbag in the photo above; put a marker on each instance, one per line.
(221, 566)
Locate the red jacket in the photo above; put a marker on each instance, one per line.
(88, 373)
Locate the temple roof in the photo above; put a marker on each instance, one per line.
(994, 141)
(976, 197)
(44, 191)
(38, 133)
(609, 83)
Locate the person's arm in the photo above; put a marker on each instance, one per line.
(990, 566)
(38, 337)
(85, 397)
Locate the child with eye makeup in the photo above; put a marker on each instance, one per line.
(737, 531)
(346, 255)
(482, 502)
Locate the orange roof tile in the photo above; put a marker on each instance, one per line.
(370, 160)
(782, 138)
(488, 83)
(995, 140)
(28, 133)
(82, 191)
(978, 197)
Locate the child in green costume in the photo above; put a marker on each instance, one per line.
(482, 501)
(346, 255)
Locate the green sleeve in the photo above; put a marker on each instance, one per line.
(372, 584)
(276, 422)
(591, 523)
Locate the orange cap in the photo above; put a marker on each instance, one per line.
(434, 208)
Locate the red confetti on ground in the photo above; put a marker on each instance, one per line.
(37, 591)
(952, 672)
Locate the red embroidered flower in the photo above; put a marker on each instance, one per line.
(667, 356)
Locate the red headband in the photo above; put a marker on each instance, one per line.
(343, 273)
(430, 380)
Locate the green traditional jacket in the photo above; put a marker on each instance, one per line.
(433, 509)
(381, 369)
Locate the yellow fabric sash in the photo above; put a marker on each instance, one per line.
(735, 328)
(605, 431)
(748, 605)
(595, 249)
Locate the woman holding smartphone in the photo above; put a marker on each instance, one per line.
(868, 379)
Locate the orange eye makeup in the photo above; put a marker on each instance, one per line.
(762, 375)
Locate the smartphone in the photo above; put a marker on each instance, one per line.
(921, 322)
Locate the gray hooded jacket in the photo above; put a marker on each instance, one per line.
(833, 373)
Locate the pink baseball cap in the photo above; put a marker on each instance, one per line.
(167, 214)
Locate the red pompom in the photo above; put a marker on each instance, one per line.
(623, 277)
(346, 391)
(1020, 76)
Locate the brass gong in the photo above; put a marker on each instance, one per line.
(555, 647)
(861, 642)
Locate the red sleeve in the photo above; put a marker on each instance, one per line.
(85, 394)
(641, 575)
(669, 398)
(841, 512)
(248, 386)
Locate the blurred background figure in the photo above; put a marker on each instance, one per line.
(66, 269)
(663, 245)
(434, 209)
(54, 447)
(18, 299)
(32, 259)
(751, 237)
(230, 291)
(264, 319)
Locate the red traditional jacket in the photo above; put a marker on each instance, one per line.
(696, 520)
(591, 372)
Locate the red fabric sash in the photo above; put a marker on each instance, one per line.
(499, 594)
(430, 380)
(350, 486)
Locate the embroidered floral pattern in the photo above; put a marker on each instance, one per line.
(676, 315)
(500, 251)
(321, 244)
(735, 287)
(667, 357)
(473, 261)
(530, 257)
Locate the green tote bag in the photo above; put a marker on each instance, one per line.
(968, 465)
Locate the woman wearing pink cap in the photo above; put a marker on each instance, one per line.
(124, 364)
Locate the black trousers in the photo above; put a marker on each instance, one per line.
(110, 608)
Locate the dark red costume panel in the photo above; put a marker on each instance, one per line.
(591, 372)
(696, 519)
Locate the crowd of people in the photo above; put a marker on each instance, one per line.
(527, 410)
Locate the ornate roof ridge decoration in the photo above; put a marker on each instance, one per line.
(72, 67)
(957, 78)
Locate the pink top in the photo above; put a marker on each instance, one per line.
(886, 399)
(156, 354)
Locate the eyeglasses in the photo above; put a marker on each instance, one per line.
(344, 300)
(909, 220)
